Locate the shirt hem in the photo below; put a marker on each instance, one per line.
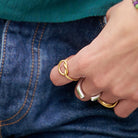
(55, 19)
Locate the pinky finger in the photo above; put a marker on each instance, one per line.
(125, 107)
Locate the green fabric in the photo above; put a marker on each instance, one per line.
(53, 10)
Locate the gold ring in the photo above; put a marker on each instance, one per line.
(107, 105)
(65, 73)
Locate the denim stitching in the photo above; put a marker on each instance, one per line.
(30, 80)
(36, 82)
(4, 41)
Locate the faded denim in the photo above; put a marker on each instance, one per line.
(30, 105)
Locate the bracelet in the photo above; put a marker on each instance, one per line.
(135, 3)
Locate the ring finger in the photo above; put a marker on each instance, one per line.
(109, 97)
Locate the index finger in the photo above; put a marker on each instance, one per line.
(72, 68)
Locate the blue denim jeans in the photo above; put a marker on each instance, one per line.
(30, 105)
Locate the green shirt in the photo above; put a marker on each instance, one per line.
(53, 10)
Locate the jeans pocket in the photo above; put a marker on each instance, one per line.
(19, 70)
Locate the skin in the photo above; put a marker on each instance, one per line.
(109, 64)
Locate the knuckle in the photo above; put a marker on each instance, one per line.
(135, 97)
(99, 82)
(116, 92)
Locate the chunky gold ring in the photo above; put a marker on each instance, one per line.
(107, 105)
(65, 73)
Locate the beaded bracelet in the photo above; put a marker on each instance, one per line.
(135, 3)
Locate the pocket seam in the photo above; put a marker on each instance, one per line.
(4, 41)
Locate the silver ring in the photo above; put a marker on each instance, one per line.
(94, 98)
(79, 90)
(81, 94)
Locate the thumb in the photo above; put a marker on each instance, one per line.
(73, 71)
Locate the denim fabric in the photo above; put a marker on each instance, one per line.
(30, 105)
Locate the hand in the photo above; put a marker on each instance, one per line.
(109, 64)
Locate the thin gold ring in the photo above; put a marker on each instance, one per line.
(107, 105)
(66, 71)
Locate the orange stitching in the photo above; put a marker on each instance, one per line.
(31, 76)
(4, 49)
(36, 82)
